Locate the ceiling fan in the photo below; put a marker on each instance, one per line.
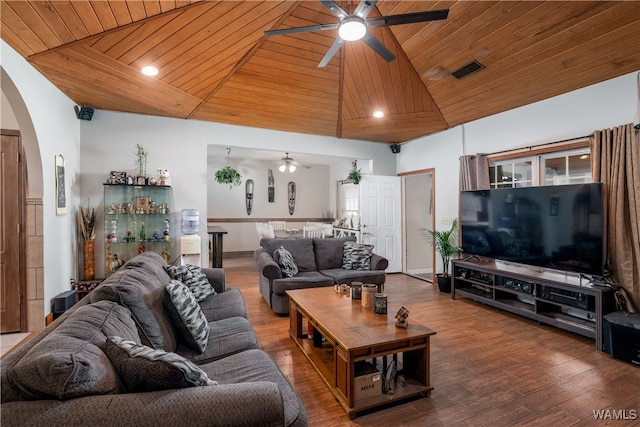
(287, 163)
(356, 26)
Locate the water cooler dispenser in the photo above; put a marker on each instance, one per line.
(190, 245)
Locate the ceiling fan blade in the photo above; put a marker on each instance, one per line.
(378, 47)
(334, 8)
(364, 8)
(301, 29)
(331, 52)
(408, 18)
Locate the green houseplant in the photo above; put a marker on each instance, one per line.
(355, 175)
(445, 244)
(141, 157)
(228, 175)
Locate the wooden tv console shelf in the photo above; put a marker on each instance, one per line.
(563, 301)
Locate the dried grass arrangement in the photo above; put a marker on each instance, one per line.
(87, 220)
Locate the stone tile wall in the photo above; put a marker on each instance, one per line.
(34, 265)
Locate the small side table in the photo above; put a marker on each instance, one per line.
(83, 287)
(216, 233)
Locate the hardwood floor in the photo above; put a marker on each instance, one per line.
(488, 367)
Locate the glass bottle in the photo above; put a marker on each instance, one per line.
(143, 234)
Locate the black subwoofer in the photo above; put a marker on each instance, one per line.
(63, 302)
(621, 335)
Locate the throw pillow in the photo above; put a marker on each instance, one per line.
(194, 278)
(186, 315)
(357, 256)
(70, 361)
(142, 368)
(286, 262)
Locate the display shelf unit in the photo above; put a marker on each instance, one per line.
(564, 301)
(136, 219)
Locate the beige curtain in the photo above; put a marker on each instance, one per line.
(615, 161)
(474, 172)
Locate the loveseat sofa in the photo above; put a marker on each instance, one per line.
(86, 369)
(319, 261)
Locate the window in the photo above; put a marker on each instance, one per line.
(546, 168)
(566, 168)
(350, 204)
(510, 173)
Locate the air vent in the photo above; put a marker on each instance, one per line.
(466, 70)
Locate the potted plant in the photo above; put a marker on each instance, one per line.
(444, 242)
(355, 175)
(141, 156)
(228, 175)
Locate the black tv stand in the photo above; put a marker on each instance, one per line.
(470, 257)
(564, 301)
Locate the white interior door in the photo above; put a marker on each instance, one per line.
(380, 212)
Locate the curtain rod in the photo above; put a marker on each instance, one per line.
(541, 145)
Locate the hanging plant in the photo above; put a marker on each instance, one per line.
(355, 175)
(228, 175)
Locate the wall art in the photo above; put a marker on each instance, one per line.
(248, 186)
(271, 191)
(61, 195)
(292, 196)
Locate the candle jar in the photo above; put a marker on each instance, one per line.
(368, 293)
(356, 290)
(380, 303)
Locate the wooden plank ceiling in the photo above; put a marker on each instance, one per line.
(217, 65)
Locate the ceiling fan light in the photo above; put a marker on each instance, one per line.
(292, 168)
(352, 28)
(282, 168)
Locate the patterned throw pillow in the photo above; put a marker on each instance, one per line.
(142, 368)
(356, 256)
(286, 262)
(194, 278)
(186, 315)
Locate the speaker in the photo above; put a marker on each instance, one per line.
(395, 148)
(83, 113)
(63, 302)
(621, 336)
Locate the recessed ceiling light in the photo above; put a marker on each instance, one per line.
(378, 114)
(149, 70)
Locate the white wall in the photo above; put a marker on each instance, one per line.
(7, 117)
(110, 138)
(56, 131)
(578, 113)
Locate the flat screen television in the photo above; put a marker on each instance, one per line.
(559, 227)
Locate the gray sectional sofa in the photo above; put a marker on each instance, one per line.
(66, 375)
(320, 262)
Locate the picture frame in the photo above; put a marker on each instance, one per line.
(142, 204)
(61, 194)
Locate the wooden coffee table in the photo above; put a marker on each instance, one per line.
(353, 334)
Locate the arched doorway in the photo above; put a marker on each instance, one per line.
(31, 280)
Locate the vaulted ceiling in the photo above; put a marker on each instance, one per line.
(216, 64)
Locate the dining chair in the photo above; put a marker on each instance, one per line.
(312, 231)
(278, 225)
(259, 230)
(268, 230)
